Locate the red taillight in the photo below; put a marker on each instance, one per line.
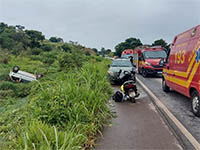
(129, 86)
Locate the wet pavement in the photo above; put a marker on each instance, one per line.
(136, 126)
(178, 104)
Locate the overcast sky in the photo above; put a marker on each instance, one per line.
(103, 23)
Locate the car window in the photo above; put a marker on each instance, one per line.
(121, 63)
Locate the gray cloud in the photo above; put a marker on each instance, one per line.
(103, 23)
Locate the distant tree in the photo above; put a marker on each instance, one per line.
(36, 51)
(20, 27)
(60, 40)
(73, 43)
(87, 53)
(111, 54)
(3, 26)
(162, 43)
(102, 52)
(46, 47)
(66, 48)
(95, 50)
(34, 43)
(35, 35)
(129, 43)
(55, 39)
(7, 35)
(108, 51)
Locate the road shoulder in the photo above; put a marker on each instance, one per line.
(137, 126)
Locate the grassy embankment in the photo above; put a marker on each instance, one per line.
(64, 110)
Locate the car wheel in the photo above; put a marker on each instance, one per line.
(15, 69)
(164, 86)
(195, 103)
(144, 73)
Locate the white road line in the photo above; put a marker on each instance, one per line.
(187, 134)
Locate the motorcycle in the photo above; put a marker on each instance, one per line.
(128, 88)
(124, 76)
(130, 91)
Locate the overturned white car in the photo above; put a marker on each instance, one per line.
(17, 75)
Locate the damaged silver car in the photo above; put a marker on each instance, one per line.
(17, 75)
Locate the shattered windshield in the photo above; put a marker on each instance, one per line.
(121, 63)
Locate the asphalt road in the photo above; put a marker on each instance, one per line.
(178, 104)
(137, 126)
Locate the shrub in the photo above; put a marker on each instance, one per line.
(87, 53)
(7, 86)
(36, 57)
(4, 57)
(66, 48)
(6, 93)
(23, 89)
(46, 47)
(71, 60)
(19, 89)
(36, 51)
(5, 60)
(4, 77)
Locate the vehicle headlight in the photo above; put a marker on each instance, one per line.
(147, 63)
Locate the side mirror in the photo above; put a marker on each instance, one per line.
(162, 62)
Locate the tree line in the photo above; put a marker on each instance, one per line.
(132, 43)
(17, 39)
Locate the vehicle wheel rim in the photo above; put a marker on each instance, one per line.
(195, 104)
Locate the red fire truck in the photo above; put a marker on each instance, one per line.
(147, 60)
(182, 71)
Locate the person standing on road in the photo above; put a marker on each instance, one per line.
(131, 60)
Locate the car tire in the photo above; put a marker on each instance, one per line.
(195, 103)
(15, 69)
(144, 73)
(164, 86)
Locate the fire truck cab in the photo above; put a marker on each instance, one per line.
(148, 60)
(181, 70)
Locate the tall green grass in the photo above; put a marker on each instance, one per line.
(67, 110)
(64, 110)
